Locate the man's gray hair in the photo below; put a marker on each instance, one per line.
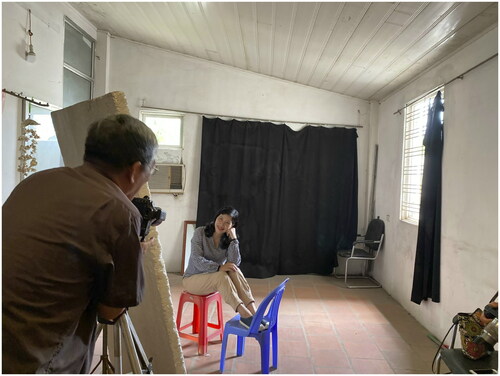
(120, 141)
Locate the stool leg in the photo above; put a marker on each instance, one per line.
(221, 319)
(196, 318)
(203, 328)
(179, 315)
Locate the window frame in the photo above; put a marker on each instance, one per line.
(413, 155)
(74, 70)
(166, 114)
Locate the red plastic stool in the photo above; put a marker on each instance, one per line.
(200, 322)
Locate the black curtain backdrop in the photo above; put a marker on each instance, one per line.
(426, 275)
(296, 192)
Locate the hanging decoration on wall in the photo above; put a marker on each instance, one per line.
(28, 138)
(30, 54)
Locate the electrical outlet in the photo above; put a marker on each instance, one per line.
(387, 218)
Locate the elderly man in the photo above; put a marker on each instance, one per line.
(71, 250)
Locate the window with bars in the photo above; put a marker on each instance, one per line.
(413, 156)
(167, 126)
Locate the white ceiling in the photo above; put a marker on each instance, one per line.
(364, 50)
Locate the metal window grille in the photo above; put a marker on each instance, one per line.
(413, 156)
(166, 125)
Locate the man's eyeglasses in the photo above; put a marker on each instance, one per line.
(152, 169)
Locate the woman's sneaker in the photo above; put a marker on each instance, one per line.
(265, 323)
(247, 321)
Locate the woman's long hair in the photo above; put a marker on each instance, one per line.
(210, 227)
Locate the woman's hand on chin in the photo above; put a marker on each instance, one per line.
(231, 233)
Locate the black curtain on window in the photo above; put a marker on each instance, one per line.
(296, 192)
(426, 276)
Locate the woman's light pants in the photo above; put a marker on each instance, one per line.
(232, 286)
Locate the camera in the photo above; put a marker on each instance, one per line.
(151, 215)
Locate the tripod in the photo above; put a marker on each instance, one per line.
(138, 360)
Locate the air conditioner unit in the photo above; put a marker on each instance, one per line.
(169, 178)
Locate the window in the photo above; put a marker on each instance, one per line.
(78, 76)
(167, 126)
(413, 156)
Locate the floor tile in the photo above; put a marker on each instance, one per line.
(293, 348)
(333, 370)
(247, 368)
(329, 358)
(319, 328)
(291, 334)
(353, 332)
(371, 366)
(391, 343)
(295, 365)
(406, 360)
(315, 317)
(381, 330)
(362, 350)
(323, 342)
(305, 292)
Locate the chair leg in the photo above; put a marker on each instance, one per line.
(274, 334)
(375, 285)
(438, 362)
(335, 274)
(345, 274)
(240, 346)
(223, 353)
(264, 353)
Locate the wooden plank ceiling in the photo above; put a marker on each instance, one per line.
(364, 50)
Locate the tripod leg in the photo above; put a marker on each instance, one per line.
(129, 344)
(146, 364)
(107, 367)
(99, 329)
(117, 349)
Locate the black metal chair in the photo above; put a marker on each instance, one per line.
(365, 248)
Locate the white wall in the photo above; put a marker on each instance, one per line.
(469, 235)
(41, 79)
(172, 81)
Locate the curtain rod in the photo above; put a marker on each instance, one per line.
(20, 95)
(246, 118)
(460, 76)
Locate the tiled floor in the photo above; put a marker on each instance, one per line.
(323, 328)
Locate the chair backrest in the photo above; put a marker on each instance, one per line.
(375, 230)
(272, 300)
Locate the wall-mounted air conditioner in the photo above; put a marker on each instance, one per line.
(169, 178)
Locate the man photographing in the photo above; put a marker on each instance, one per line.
(71, 250)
